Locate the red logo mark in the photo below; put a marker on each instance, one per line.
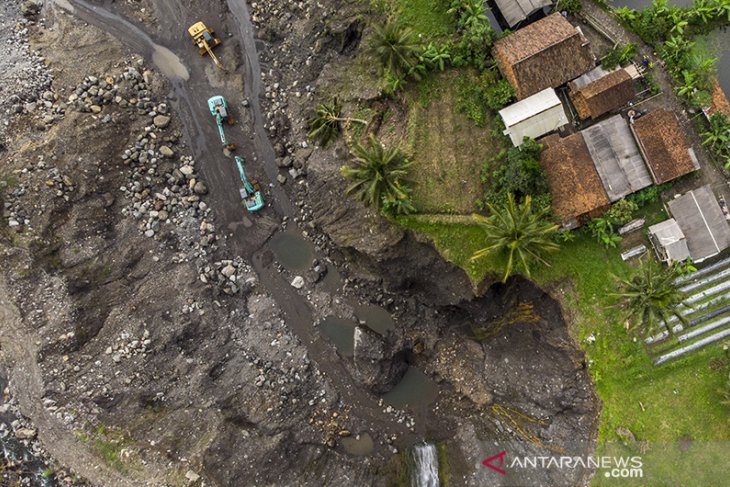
(500, 456)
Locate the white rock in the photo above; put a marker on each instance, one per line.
(298, 282)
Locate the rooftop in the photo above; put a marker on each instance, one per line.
(515, 11)
(699, 216)
(664, 146)
(616, 157)
(574, 183)
(671, 240)
(594, 97)
(534, 38)
(545, 54)
(529, 107)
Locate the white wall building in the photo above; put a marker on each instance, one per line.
(534, 116)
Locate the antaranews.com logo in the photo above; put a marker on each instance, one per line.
(621, 467)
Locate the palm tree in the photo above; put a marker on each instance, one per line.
(518, 231)
(650, 297)
(377, 174)
(326, 124)
(396, 48)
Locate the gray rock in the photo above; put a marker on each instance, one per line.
(161, 121)
(228, 270)
(281, 178)
(166, 151)
(200, 188)
(379, 365)
(25, 434)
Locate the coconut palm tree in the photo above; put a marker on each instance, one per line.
(326, 124)
(377, 174)
(650, 298)
(517, 231)
(396, 48)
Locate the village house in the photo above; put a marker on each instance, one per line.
(697, 224)
(545, 54)
(534, 116)
(664, 146)
(617, 158)
(599, 91)
(576, 188)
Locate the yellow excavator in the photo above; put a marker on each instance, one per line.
(205, 39)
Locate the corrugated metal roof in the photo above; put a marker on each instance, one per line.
(529, 107)
(699, 216)
(515, 11)
(616, 157)
(596, 73)
(671, 238)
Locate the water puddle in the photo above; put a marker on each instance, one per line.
(292, 251)
(358, 445)
(332, 281)
(340, 332)
(376, 318)
(415, 389)
(168, 63)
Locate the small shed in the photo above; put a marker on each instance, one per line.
(534, 116)
(700, 218)
(616, 157)
(515, 11)
(668, 241)
(599, 91)
(664, 146)
(545, 54)
(575, 186)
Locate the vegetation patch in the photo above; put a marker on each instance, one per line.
(447, 150)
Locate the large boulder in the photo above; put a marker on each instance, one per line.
(379, 363)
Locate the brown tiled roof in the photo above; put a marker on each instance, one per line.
(573, 180)
(544, 54)
(603, 95)
(664, 146)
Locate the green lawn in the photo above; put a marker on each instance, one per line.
(427, 17)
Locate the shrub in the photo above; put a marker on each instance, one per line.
(648, 195)
(621, 56)
(622, 212)
(570, 6)
(517, 172)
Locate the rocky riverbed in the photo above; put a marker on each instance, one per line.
(146, 345)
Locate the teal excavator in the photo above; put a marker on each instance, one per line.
(251, 192)
(219, 109)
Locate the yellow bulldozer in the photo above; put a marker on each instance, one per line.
(205, 39)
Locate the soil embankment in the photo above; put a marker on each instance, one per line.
(162, 342)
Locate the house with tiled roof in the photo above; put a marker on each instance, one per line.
(599, 92)
(576, 188)
(664, 146)
(545, 54)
